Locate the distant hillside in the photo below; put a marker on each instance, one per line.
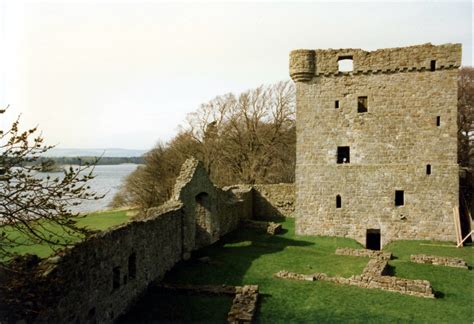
(105, 160)
(107, 152)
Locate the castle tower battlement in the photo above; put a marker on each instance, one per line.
(313, 63)
(376, 156)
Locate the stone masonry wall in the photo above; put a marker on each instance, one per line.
(272, 201)
(98, 279)
(235, 204)
(391, 144)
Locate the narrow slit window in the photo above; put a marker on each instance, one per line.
(345, 64)
(116, 278)
(132, 266)
(433, 65)
(338, 201)
(428, 169)
(438, 121)
(343, 154)
(399, 198)
(362, 104)
(336, 104)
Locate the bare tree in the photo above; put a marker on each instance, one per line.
(35, 209)
(248, 138)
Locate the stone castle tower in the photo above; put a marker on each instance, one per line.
(377, 145)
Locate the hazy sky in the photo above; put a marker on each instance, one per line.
(97, 74)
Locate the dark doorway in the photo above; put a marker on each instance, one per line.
(373, 239)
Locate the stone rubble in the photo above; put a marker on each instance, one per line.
(439, 260)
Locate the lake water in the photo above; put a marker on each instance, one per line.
(107, 181)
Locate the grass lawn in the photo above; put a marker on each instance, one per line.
(95, 221)
(251, 257)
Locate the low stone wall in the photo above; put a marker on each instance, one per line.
(375, 268)
(244, 305)
(439, 260)
(364, 253)
(418, 288)
(272, 201)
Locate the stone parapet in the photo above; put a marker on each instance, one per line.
(306, 64)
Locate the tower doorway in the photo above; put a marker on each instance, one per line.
(373, 239)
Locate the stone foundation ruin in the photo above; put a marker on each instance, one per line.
(374, 276)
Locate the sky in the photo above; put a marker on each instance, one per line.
(124, 74)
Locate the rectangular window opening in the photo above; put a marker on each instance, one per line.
(116, 277)
(338, 201)
(362, 104)
(345, 63)
(433, 65)
(132, 266)
(336, 104)
(428, 169)
(399, 198)
(343, 154)
(438, 121)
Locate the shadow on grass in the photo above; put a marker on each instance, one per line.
(226, 262)
(438, 294)
(390, 271)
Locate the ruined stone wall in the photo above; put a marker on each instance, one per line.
(200, 198)
(97, 279)
(272, 201)
(409, 91)
(235, 205)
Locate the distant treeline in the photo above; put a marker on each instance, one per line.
(92, 159)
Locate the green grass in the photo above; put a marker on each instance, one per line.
(251, 257)
(95, 221)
